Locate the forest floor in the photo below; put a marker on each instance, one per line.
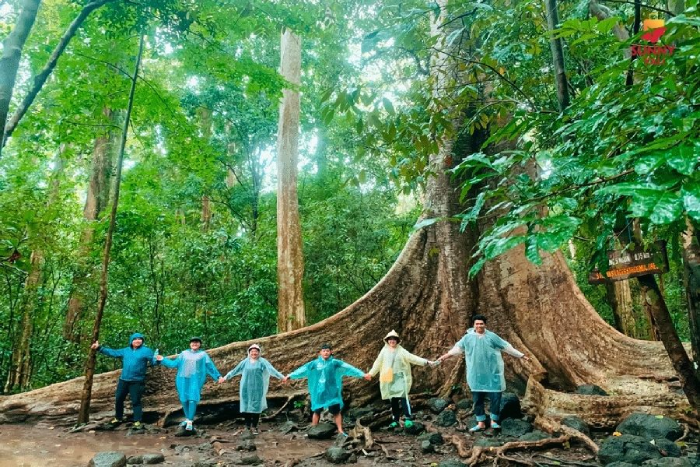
(285, 442)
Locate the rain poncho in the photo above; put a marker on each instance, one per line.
(325, 380)
(192, 370)
(134, 361)
(399, 361)
(254, 383)
(484, 361)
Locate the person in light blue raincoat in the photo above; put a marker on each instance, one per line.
(325, 375)
(135, 360)
(485, 368)
(193, 366)
(255, 381)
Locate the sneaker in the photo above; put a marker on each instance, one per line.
(408, 424)
(255, 431)
(116, 421)
(394, 425)
(343, 434)
(476, 428)
(495, 425)
(188, 426)
(138, 426)
(183, 423)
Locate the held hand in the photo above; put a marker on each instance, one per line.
(285, 379)
(95, 345)
(221, 379)
(159, 358)
(368, 377)
(526, 358)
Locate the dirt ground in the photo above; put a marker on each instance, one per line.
(30, 446)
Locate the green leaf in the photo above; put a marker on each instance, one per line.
(690, 192)
(532, 252)
(660, 206)
(425, 223)
(388, 106)
(474, 270)
(473, 214)
(684, 158)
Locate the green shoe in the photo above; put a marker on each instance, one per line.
(116, 421)
(408, 424)
(138, 426)
(393, 425)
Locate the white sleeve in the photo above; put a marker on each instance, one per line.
(510, 350)
(456, 350)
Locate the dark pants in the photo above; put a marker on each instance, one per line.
(134, 389)
(333, 409)
(494, 406)
(398, 405)
(251, 419)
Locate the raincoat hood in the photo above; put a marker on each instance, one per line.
(137, 335)
(393, 334)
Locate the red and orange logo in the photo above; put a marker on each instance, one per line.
(653, 53)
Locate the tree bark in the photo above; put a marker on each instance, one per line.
(96, 201)
(619, 297)
(557, 56)
(427, 297)
(11, 55)
(691, 276)
(43, 75)
(667, 332)
(290, 256)
(20, 371)
(84, 412)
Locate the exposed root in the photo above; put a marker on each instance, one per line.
(461, 446)
(279, 411)
(686, 430)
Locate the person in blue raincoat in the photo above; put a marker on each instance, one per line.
(255, 381)
(485, 369)
(193, 366)
(135, 360)
(325, 375)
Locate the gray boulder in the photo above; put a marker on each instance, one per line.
(416, 429)
(322, 431)
(515, 428)
(451, 463)
(535, 435)
(108, 459)
(146, 459)
(434, 438)
(465, 404)
(627, 448)
(577, 424)
(651, 426)
(437, 404)
(250, 459)
(336, 455)
(426, 447)
(446, 418)
(669, 462)
(510, 406)
(590, 390)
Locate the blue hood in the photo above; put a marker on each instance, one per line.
(136, 335)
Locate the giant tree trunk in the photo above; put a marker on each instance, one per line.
(11, 55)
(619, 297)
(691, 279)
(95, 202)
(290, 256)
(427, 298)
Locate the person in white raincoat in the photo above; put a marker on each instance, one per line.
(394, 368)
(485, 374)
(255, 381)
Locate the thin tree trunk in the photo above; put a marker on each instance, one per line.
(557, 56)
(95, 203)
(43, 75)
(672, 343)
(290, 259)
(84, 412)
(11, 55)
(19, 375)
(691, 276)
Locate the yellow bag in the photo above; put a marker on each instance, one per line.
(387, 375)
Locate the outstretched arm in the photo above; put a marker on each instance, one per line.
(236, 371)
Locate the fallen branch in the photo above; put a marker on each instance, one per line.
(284, 406)
(532, 444)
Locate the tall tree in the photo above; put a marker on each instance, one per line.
(96, 201)
(11, 55)
(84, 412)
(290, 255)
